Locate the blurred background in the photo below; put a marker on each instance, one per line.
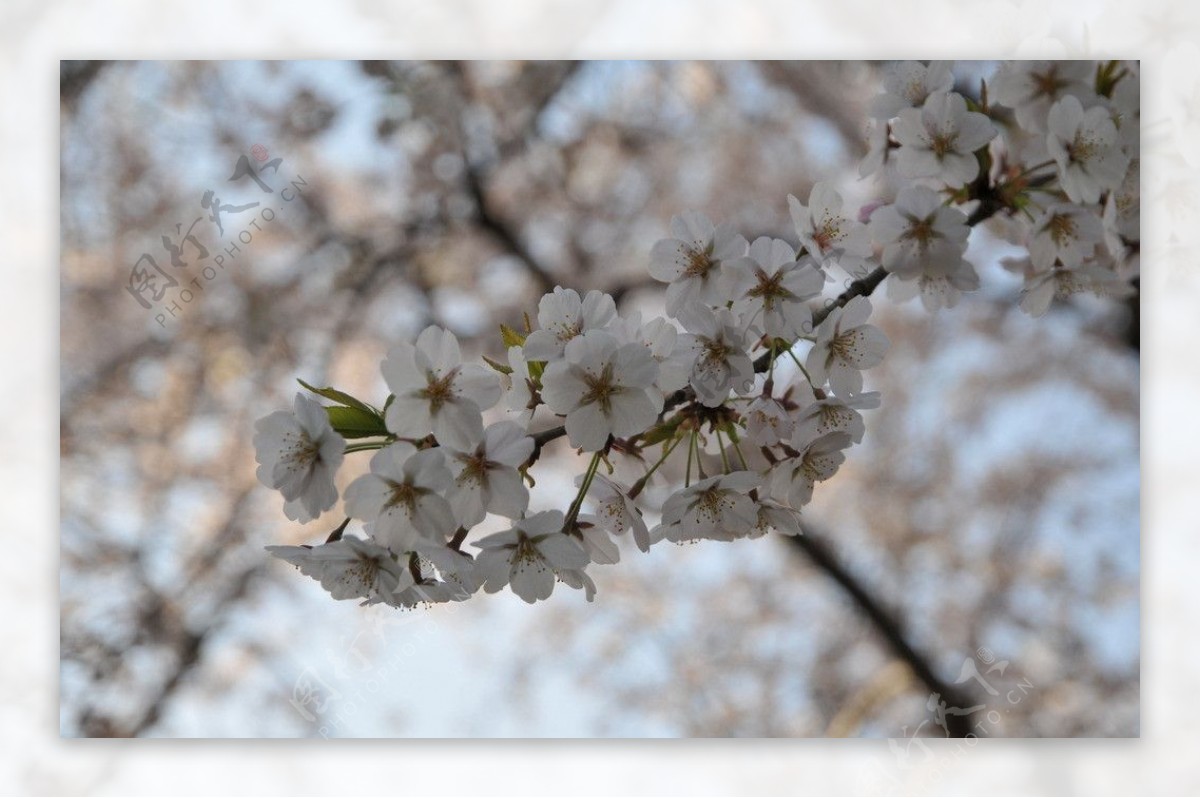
(991, 514)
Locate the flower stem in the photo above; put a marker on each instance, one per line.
(724, 454)
(365, 446)
(738, 448)
(687, 473)
(588, 476)
(1033, 169)
(800, 366)
(640, 485)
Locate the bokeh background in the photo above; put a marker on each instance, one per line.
(993, 510)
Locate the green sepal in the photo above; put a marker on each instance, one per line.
(500, 367)
(353, 422)
(342, 398)
(663, 432)
(511, 337)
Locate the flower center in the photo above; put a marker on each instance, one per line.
(600, 389)
(440, 390)
(300, 451)
(827, 233)
(527, 552)
(811, 467)
(845, 346)
(1062, 229)
(711, 503)
(943, 143)
(699, 262)
(1082, 149)
(1047, 84)
(565, 332)
(404, 495)
(833, 417)
(915, 92)
(769, 288)
(362, 573)
(920, 231)
(475, 468)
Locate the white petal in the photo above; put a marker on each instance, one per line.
(408, 417)
(532, 580)
(400, 370)
(507, 494)
(478, 384)
(588, 428)
(508, 444)
(458, 423)
(562, 551)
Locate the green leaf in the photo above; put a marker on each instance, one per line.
(500, 367)
(353, 422)
(511, 337)
(664, 432)
(342, 398)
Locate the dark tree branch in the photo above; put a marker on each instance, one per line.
(74, 77)
(503, 233)
(887, 625)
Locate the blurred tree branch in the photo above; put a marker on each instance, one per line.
(810, 546)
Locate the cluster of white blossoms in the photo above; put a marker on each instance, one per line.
(751, 385)
(1054, 144)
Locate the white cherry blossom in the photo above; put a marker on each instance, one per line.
(717, 508)
(615, 511)
(690, 261)
(940, 138)
(1044, 284)
(718, 346)
(596, 540)
(1086, 148)
(661, 339)
(1031, 87)
(486, 479)
(833, 414)
(938, 288)
(908, 84)
(403, 498)
(529, 556)
(349, 568)
(919, 234)
(1065, 233)
(768, 421)
(845, 346)
(773, 515)
(828, 234)
(770, 288)
(436, 393)
(603, 388)
(562, 316)
(446, 575)
(794, 479)
(298, 454)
